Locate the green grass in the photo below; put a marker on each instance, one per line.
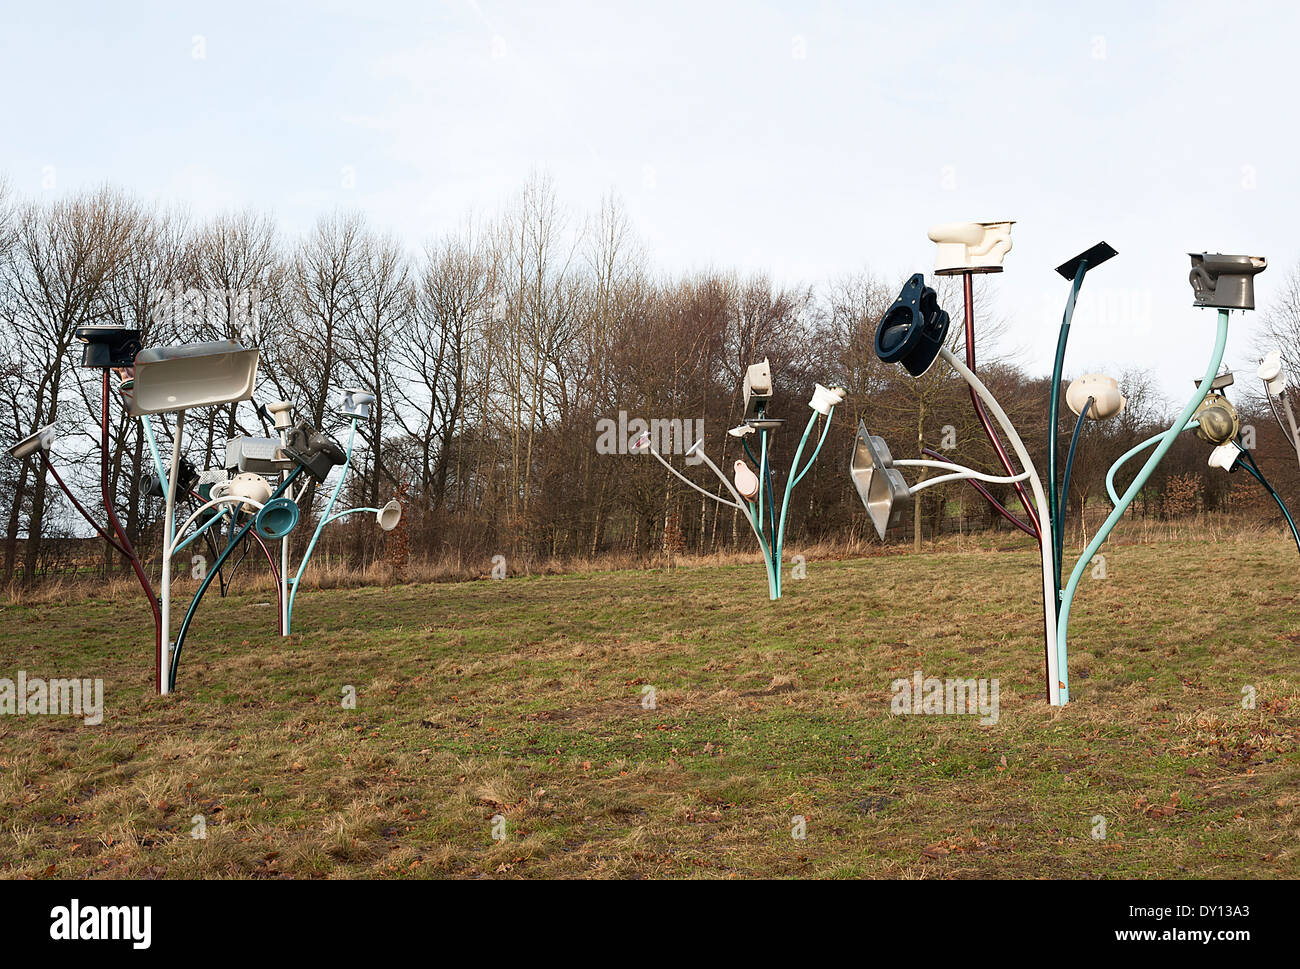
(522, 699)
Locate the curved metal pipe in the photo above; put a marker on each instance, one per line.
(49, 466)
(997, 505)
(1166, 442)
(207, 580)
(311, 546)
(1044, 549)
(1053, 409)
(1061, 511)
(1005, 459)
(1253, 468)
(127, 548)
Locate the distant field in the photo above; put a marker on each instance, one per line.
(522, 700)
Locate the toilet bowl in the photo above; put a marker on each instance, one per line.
(107, 347)
(356, 403)
(970, 246)
(1225, 282)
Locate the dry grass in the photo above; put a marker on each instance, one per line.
(335, 572)
(520, 703)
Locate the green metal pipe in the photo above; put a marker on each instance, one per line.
(207, 579)
(1063, 505)
(1053, 410)
(1166, 442)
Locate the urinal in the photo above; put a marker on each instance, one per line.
(1226, 282)
(970, 247)
(1270, 371)
(314, 451)
(881, 486)
(826, 399)
(388, 516)
(195, 375)
(757, 389)
(746, 481)
(1225, 456)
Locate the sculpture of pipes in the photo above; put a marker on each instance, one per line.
(751, 489)
(1222, 282)
(1215, 422)
(911, 333)
(174, 380)
(355, 405)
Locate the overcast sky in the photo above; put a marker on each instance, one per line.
(804, 139)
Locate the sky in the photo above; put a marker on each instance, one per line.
(806, 140)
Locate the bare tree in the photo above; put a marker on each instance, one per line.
(63, 263)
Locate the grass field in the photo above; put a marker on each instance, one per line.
(522, 700)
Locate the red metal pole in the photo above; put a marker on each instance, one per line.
(997, 505)
(968, 291)
(49, 466)
(126, 542)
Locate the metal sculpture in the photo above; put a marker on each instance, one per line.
(751, 489)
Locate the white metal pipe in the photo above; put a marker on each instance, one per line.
(169, 536)
(966, 475)
(708, 494)
(738, 504)
(1047, 542)
(1290, 416)
(284, 552)
(768, 564)
(225, 500)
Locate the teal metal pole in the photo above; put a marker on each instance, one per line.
(1063, 505)
(772, 592)
(1249, 464)
(1053, 409)
(785, 501)
(351, 511)
(201, 529)
(762, 490)
(1166, 442)
(1129, 454)
(153, 450)
(306, 557)
(817, 450)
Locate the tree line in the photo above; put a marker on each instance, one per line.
(501, 353)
